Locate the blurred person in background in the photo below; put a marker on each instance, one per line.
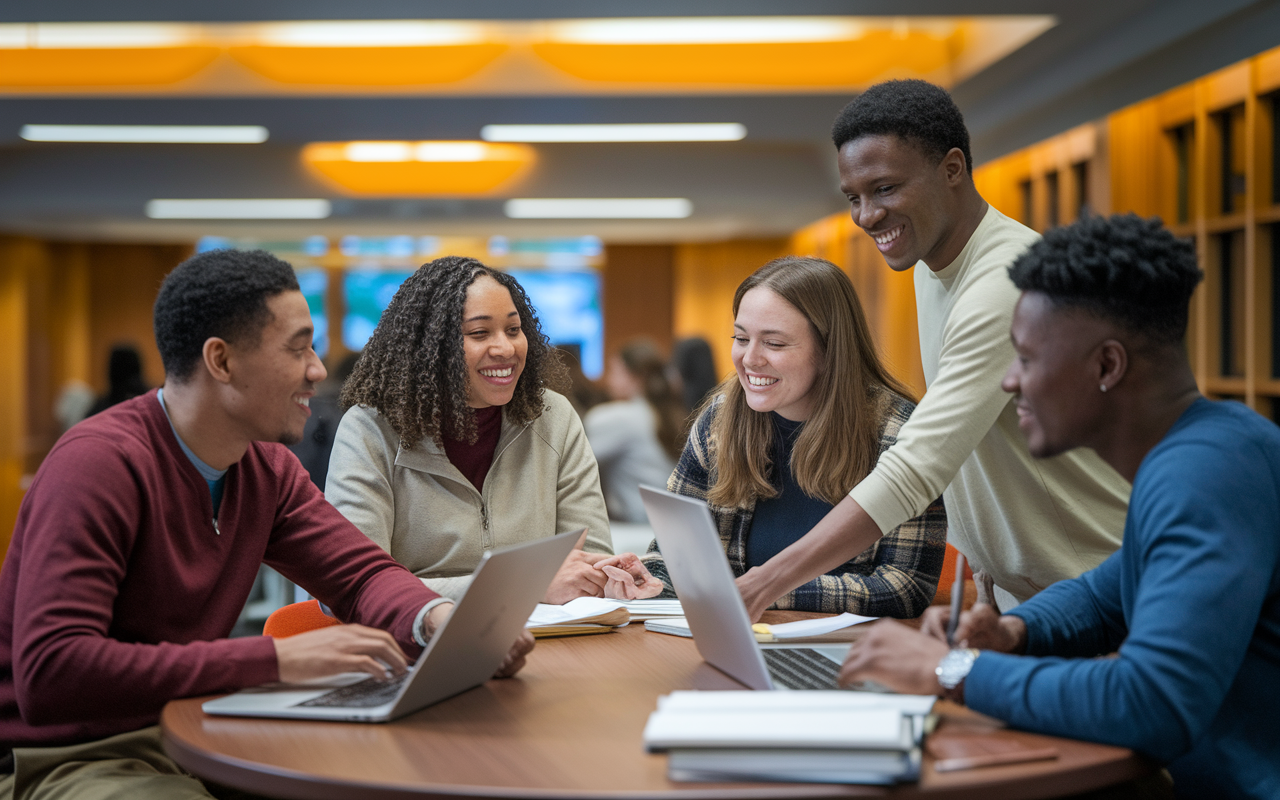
(317, 438)
(806, 414)
(583, 393)
(456, 437)
(694, 366)
(637, 437)
(124, 378)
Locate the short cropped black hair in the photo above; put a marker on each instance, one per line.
(915, 110)
(220, 293)
(1126, 269)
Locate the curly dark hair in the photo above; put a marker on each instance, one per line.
(220, 293)
(915, 110)
(1126, 269)
(414, 373)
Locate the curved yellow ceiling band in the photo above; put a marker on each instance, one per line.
(368, 66)
(410, 170)
(872, 56)
(141, 66)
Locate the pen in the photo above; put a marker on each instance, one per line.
(957, 598)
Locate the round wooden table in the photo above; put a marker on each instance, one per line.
(568, 727)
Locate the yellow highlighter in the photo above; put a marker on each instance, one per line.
(763, 632)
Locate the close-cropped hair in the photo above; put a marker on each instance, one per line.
(414, 373)
(1125, 269)
(221, 293)
(840, 442)
(914, 110)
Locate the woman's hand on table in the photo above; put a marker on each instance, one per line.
(628, 578)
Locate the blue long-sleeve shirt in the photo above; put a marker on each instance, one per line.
(1192, 603)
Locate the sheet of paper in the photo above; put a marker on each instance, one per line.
(817, 627)
(755, 702)
(579, 608)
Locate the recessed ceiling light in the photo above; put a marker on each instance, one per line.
(239, 209)
(369, 33)
(149, 134)
(598, 208)
(96, 35)
(707, 30)
(644, 132)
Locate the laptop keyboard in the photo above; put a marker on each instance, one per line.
(365, 694)
(801, 669)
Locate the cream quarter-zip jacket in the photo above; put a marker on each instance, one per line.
(416, 505)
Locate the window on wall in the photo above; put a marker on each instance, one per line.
(1053, 217)
(1080, 174)
(1231, 287)
(367, 293)
(314, 284)
(1232, 129)
(1183, 140)
(1024, 190)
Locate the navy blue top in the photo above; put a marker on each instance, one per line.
(780, 521)
(1192, 603)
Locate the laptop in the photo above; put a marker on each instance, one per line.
(463, 654)
(686, 534)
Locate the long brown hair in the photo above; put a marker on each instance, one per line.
(413, 371)
(644, 361)
(839, 443)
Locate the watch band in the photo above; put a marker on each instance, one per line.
(955, 666)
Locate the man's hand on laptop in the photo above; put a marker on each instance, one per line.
(896, 656)
(514, 661)
(340, 648)
(577, 577)
(629, 579)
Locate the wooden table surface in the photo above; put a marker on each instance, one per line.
(568, 727)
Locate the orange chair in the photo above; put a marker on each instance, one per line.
(948, 577)
(297, 618)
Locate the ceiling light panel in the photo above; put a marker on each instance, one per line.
(598, 208)
(97, 36)
(148, 134)
(655, 132)
(706, 30)
(239, 209)
(418, 169)
(369, 33)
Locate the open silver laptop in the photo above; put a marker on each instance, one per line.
(464, 652)
(700, 574)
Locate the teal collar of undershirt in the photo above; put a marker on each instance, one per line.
(214, 477)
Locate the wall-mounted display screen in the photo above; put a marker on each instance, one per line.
(314, 283)
(367, 293)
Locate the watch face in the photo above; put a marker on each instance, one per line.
(954, 666)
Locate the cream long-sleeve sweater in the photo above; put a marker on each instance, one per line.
(1028, 522)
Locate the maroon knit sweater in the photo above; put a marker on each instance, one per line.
(117, 594)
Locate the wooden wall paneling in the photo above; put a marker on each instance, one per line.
(125, 280)
(1203, 334)
(335, 308)
(705, 279)
(639, 294)
(1252, 363)
(16, 256)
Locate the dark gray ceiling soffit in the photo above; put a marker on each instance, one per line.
(1070, 76)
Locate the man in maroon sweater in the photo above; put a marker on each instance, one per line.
(140, 537)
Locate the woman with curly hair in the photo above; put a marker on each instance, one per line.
(805, 416)
(455, 439)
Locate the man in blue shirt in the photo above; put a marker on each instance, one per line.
(1191, 603)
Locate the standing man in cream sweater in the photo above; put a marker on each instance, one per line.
(906, 169)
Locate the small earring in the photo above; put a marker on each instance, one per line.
(1102, 387)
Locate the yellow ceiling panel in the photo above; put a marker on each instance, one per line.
(418, 169)
(70, 67)
(368, 66)
(832, 63)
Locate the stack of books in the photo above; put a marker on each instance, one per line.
(801, 737)
(595, 615)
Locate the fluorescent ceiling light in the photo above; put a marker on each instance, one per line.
(369, 33)
(96, 35)
(238, 209)
(599, 208)
(150, 134)
(422, 151)
(707, 30)
(647, 132)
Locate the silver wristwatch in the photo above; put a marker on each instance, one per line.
(955, 666)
